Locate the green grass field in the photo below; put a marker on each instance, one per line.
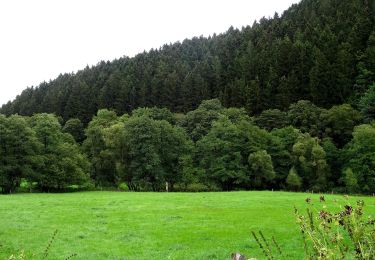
(114, 225)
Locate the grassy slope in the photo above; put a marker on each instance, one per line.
(111, 225)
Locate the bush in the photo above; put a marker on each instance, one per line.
(293, 181)
(88, 186)
(26, 186)
(123, 186)
(195, 187)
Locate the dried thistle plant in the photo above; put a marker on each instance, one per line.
(346, 234)
(48, 247)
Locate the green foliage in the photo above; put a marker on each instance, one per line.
(346, 234)
(359, 155)
(272, 118)
(339, 122)
(155, 114)
(195, 187)
(154, 149)
(220, 155)
(78, 101)
(60, 161)
(305, 116)
(350, 180)
(75, 127)
(18, 152)
(211, 105)
(220, 148)
(236, 115)
(367, 104)
(293, 181)
(323, 52)
(280, 149)
(103, 165)
(198, 122)
(334, 160)
(123, 186)
(261, 168)
(214, 146)
(310, 162)
(295, 73)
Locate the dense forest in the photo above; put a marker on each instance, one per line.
(209, 148)
(287, 103)
(317, 50)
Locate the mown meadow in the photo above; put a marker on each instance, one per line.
(127, 225)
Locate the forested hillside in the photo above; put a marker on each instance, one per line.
(318, 50)
(287, 103)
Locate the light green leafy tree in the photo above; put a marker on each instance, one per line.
(293, 181)
(338, 123)
(75, 127)
(359, 155)
(103, 163)
(154, 152)
(61, 161)
(310, 162)
(18, 152)
(219, 155)
(261, 168)
(350, 180)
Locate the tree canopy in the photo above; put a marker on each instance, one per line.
(287, 103)
(209, 148)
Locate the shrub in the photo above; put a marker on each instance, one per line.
(27, 186)
(87, 186)
(123, 186)
(293, 181)
(195, 187)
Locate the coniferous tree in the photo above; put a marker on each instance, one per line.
(318, 52)
(367, 104)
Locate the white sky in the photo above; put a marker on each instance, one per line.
(39, 39)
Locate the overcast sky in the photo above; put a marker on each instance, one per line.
(40, 39)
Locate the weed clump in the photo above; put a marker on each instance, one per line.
(345, 234)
